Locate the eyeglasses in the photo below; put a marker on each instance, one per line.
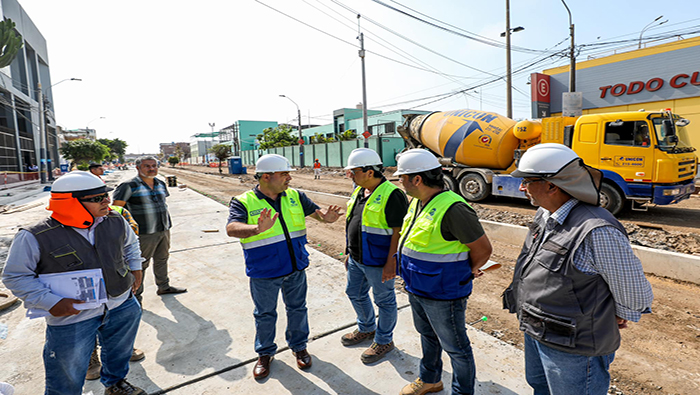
(95, 199)
(525, 182)
(353, 171)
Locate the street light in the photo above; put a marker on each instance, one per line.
(301, 137)
(509, 76)
(647, 27)
(572, 67)
(43, 149)
(67, 79)
(88, 124)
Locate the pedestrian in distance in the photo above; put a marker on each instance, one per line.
(577, 281)
(442, 246)
(317, 170)
(270, 222)
(144, 196)
(96, 169)
(375, 213)
(81, 233)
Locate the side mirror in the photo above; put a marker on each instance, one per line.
(668, 127)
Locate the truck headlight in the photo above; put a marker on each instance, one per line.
(674, 191)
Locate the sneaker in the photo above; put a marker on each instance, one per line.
(137, 355)
(355, 337)
(124, 388)
(375, 352)
(418, 387)
(93, 372)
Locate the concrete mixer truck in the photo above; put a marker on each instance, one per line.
(645, 156)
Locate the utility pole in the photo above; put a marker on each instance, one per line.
(206, 155)
(364, 84)
(509, 76)
(301, 135)
(572, 68)
(43, 162)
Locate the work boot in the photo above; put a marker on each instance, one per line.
(124, 388)
(419, 387)
(355, 337)
(375, 352)
(137, 355)
(93, 372)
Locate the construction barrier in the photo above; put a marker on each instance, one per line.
(12, 179)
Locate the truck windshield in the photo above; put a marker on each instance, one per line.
(665, 143)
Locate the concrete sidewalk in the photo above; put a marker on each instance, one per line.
(201, 342)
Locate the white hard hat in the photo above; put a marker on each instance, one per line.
(415, 161)
(561, 166)
(272, 163)
(544, 160)
(362, 157)
(79, 183)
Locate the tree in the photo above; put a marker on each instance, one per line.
(10, 42)
(319, 138)
(280, 136)
(347, 135)
(117, 148)
(222, 152)
(83, 151)
(173, 160)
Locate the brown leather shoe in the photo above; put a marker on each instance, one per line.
(137, 355)
(303, 359)
(356, 337)
(171, 290)
(93, 372)
(262, 367)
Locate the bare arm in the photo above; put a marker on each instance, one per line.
(389, 271)
(480, 251)
(241, 230)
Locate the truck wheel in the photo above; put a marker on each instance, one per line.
(473, 187)
(450, 183)
(610, 199)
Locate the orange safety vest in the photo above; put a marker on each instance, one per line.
(317, 165)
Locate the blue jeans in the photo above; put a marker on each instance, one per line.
(360, 279)
(264, 292)
(68, 348)
(550, 371)
(441, 324)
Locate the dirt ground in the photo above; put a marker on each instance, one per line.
(659, 355)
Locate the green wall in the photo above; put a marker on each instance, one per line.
(332, 154)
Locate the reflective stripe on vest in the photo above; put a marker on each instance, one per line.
(376, 233)
(431, 266)
(267, 254)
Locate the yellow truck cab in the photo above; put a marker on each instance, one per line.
(645, 156)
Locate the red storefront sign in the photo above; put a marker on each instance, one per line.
(651, 85)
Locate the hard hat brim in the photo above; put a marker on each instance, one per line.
(400, 173)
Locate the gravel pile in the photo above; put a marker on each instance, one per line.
(684, 243)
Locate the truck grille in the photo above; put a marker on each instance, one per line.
(686, 168)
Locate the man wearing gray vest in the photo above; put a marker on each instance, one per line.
(577, 281)
(82, 233)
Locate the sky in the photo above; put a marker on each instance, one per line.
(156, 71)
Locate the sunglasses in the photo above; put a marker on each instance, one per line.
(525, 182)
(95, 199)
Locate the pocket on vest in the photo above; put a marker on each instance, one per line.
(551, 256)
(67, 257)
(378, 247)
(427, 280)
(548, 327)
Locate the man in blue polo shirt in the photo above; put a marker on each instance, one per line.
(270, 220)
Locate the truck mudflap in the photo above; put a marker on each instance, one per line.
(669, 194)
